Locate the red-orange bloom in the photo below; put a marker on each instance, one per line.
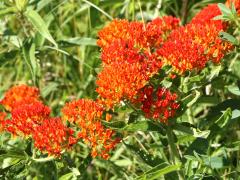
(143, 36)
(206, 15)
(158, 30)
(52, 136)
(3, 116)
(160, 104)
(20, 94)
(26, 118)
(192, 46)
(87, 114)
(117, 29)
(121, 80)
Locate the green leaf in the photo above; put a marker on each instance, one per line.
(197, 96)
(224, 9)
(29, 57)
(37, 21)
(52, 86)
(234, 90)
(143, 155)
(79, 41)
(67, 176)
(224, 118)
(215, 162)
(114, 124)
(215, 72)
(159, 171)
(7, 11)
(144, 126)
(228, 37)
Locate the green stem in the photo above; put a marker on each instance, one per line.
(175, 156)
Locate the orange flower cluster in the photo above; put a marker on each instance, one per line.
(151, 35)
(53, 136)
(3, 116)
(31, 118)
(18, 95)
(122, 80)
(160, 104)
(129, 58)
(190, 47)
(87, 115)
(26, 118)
(206, 15)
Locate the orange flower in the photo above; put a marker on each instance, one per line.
(160, 104)
(143, 37)
(26, 118)
(3, 116)
(158, 30)
(190, 47)
(52, 136)
(121, 80)
(206, 15)
(20, 94)
(87, 114)
(117, 29)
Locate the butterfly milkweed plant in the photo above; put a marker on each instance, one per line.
(119, 89)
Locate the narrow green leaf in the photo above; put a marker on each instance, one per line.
(37, 21)
(143, 155)
(67, 176)
(7, 11)
(228, 37)
(224, 9)
(52, 86)
(159, 171)
(115, 124)
(79, 41)
(224, 118)
(28, 50)
(99, 9)
(234, 90)
(144, 126)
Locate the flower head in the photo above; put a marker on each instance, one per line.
(20, 94)
(3, 116)
(160, 104)
(206, 15)
(87, 115)
(192, 46)
(121, 80)
(142, 36)
(26, 118)
(52, 136)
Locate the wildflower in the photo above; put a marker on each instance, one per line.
(143, 36)
(87, 115)
(26, 118)
(121, 80)
(190, 47)
(206, 15)
(3, 116)
(20, 94)
(52, 136)
(158, 30)
(117, 29)
(159, 105)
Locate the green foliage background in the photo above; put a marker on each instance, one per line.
(52, 44)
